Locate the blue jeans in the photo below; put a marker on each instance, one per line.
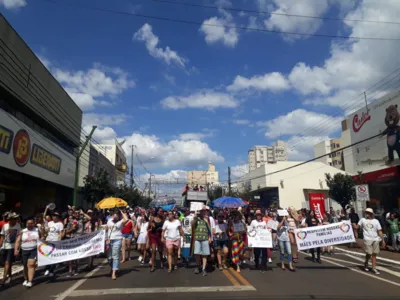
(285, 246)
(114, 253)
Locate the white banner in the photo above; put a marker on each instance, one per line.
(24, 150)
(325, 235)
(76, 248)
(259, 238)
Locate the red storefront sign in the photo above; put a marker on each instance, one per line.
(317, 204)
(380, 175)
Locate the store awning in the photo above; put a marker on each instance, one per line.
(380, 175)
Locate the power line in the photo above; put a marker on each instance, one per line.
(219, 25)
(239, 10)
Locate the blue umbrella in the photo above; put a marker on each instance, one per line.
(228, 202)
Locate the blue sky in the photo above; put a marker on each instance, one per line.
(186, 94)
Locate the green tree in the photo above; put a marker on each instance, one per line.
(341, 188)
(97, 187)
(133, 196)
(215, 193)
(244, 192)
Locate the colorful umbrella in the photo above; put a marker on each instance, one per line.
(228, 202)
(111, 203)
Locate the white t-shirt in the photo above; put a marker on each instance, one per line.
(114, 230)
(10, 234)
(370, 229)
(258, 225)
(212, 222)
(54, 230)
(187, 224)
(29, 239)
(143, 227)
(172, 230)
(220, 231)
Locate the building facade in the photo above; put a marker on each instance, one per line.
(40, 128)
(202, 178)
(325, 148)
(261, 155)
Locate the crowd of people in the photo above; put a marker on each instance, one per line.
(210, 239)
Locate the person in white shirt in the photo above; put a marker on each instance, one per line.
(8, 236)
(255, 225)
(142, 239)
(372, 232)
(27, 242)
(171, 236)
(221, 241)
(114, 240)
(55, 232)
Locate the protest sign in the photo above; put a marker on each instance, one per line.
(271, 224)
(325, 235)
(283, 212)
(196, 206)
(76, 248)
(259, 238)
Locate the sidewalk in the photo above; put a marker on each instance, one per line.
(357, 249)
(16, 269)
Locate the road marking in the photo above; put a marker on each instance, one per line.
(396, 262)
(231, 278)
(77, 284)
(128, 291)
(240, 277)
(357, 270)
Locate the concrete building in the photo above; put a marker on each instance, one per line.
(116, 155)
(202, 178)
(40, 128)
(326, 147)
(291, 187)
(260, 155)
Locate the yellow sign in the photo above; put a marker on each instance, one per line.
(44, 159)
(6, 137)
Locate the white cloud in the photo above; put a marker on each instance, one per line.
(216, 31)
(102, 135)
(299, 122)
(271, 81)
(13, 4)
(170, 79)
(296, 24)
(171, 154)
(301, 148)
(90, 119)
(239, 170)
(145, 34)
(170, 176)
(201, 99)
(241, 122)
(85, 87)
(198, 136)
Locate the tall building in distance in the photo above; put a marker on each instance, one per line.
(326, 147)
(261, 155)
(202, 178)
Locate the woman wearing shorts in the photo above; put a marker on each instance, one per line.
(171, 235)
(127, 234)
(154, 231)
(221, 241)
(142, 240)
(27, 241)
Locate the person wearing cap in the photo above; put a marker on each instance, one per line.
(255, 225)
(55, 232)
(372, 232)
(201, 239)
(8, 237)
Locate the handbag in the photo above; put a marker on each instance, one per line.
(108, 241)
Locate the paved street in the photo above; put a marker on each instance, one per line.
(338, 277)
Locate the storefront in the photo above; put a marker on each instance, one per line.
(33, 170)
(384, 189)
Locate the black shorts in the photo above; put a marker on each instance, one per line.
(28, 254)
(7, 255)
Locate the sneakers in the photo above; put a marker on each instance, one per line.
(375, 271)
(204, 273)
(25, 282)
(140, 258)
(47, 273)
(29, 284)
(270, 260)
(366, 269)
(197, 271)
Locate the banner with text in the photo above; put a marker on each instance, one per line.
(76, 248)
(259, 238)
(325, 235)
(317, 204)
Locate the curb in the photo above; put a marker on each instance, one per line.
(396, 262)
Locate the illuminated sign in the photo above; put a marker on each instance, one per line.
(6, 137)
(46, 160)
(21, 148)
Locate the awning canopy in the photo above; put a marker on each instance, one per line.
(380, 175)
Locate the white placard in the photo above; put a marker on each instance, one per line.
(87, 245)
(259, 238)
(271, 224)
(282, 212)
(362, 192)
(24, 150)
(325, 235)
(196, 206)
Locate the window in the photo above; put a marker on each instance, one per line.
(330, 164)
(333, 146)
(337, 146)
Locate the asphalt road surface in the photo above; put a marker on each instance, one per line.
(338, 277)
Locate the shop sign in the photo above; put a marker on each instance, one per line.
(28, 152)
(317, 204)
(362, 192)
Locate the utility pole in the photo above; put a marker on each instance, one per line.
(132, 166)
(149, 185)
(77, 164)
(366, 102)
(229, 182)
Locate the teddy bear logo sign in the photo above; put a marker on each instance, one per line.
(392, 131)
